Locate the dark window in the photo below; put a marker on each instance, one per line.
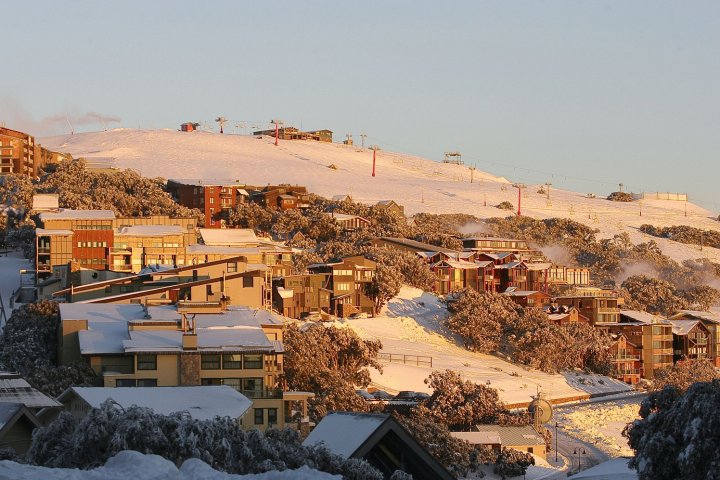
(210, 362)
(147, 382)
(233, 361)
(208, 290)
(232, 267)
(272, 416)
(125, 382)
(147, 362)
(253, 360)
(252, 384)
(247, 282)
(259, 416)
(210, 381)
(235, 383)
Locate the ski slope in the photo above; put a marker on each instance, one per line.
(421, 185)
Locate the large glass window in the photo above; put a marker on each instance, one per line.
(253, 360)
(232, 361)
(125, 382)
(272, 416)
(146, 362)
(147, 382)
(253, 384)
(210, 362)
(259, 416)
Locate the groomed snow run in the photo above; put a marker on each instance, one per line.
(421, 185)
(137, 466)
(411, 325)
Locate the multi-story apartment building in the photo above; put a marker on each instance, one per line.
(691, 340)
(650, 334)
(193, 343)
(17, 152)
(299, 295)
(627, 365)
(97, 239)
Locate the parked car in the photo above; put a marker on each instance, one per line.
(410, 396)
(382, 395)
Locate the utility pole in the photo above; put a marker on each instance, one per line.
(519, 186)
(221, 121)
(472, 170)
(374, 149)
(363, 136)
(277, 129)
(548, 185)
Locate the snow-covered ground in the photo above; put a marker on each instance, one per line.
(412, 325)
(421, 185)
(135, 465)
(601, 424)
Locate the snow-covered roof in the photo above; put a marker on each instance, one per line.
(201, 402)
(340, 198)
(15, 389)
(69, 214)
(150, 230)
(229, 237)
(345, 216)
(212, 182)
(508, 434)
(284, 292)
(238, 328)
(344, 433)
(683, 327)
(46, 201)
(459, 264)
(712, 317)
(39, 232)
(643, 317)
(615, 469)
(523, 293)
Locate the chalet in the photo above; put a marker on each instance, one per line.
(650, 334)
(627, 365)
(378, 439)
(564, 314)
(691, 340)
(299, 295)
(17, 424)
(453, 275)
(528, 298)
(391, 206)
(711, 321)
(497, 437)
(601, 306)
(350, 223)
(190, 344)
(495, 245)
(347, 279)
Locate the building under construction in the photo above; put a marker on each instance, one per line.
(292, 133)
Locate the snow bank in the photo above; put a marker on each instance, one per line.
(137, 466)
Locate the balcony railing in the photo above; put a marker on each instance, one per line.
(625, 357)
(273, 393)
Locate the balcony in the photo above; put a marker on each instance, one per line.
(608, 311)
(43, 250)
(625, 357)
(263, 394)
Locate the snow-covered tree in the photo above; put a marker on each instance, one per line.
(684, 373)
(677, 435)
(385, 285)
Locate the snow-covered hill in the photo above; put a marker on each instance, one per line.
(419, 184)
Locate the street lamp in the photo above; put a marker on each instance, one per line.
(578, 452)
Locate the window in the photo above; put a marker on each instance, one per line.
(126, 288)
(252, 384)
(147, 382)
(147, 361)
(235, 383)
(232, 267)
(212, 200)
(253, 360)
(259, 416)
(247, 282)
(210, 362)
(125, 382)
(232, 361)
(210, 381)
(272, 416)
(342, 286)
(208, 290)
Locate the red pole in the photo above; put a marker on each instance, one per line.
(374, 152)
(519, 200)
(276, 134)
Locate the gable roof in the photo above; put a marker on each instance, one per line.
(419, 246)
(201, 402)
(711, 317)
(683, 327)
(10, 413)
(354, 435)
(15, 389)
(228, 237)
(642, 317)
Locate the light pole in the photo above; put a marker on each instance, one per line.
(578, 452)
(556, 453)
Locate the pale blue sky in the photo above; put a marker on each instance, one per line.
(622, 91)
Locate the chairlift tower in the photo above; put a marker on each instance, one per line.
(520, 187)
(222, 121)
